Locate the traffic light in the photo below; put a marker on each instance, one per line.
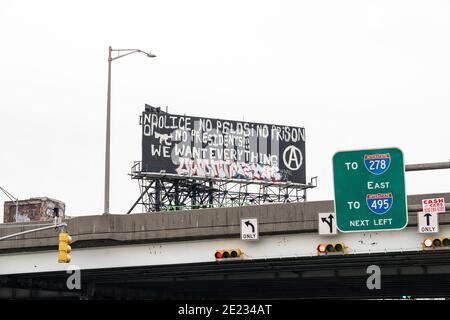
(64, 248)
(325, 248)
(442, 242)
(228, 253)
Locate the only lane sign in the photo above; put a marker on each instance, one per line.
(249, 229)
(428, 222)
(327, 224)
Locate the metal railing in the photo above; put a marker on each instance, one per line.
(225, 204)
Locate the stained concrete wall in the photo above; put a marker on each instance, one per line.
(186, 225)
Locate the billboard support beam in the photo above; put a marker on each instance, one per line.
(139, 199)
(174, 193)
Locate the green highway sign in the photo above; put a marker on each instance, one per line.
(369, 190)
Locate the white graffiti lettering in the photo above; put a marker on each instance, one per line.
(227, 169)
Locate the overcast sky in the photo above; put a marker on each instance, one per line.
(355, 74)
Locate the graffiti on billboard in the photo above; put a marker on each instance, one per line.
(214, 148)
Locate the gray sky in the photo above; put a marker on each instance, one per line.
(355, 74)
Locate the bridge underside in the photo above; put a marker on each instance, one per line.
(419, 274)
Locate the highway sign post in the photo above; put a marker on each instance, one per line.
(428, 222)
(369, 189)
(327, 224)
(249, 229)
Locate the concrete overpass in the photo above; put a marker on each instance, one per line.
(171, 255)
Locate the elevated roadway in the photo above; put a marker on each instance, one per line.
(171, 255)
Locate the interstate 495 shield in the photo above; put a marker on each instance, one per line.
(369, 190)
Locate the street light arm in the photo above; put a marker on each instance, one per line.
(130, 51)
(123, 55)
(9, 195)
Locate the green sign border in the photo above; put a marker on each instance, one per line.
(404, 183)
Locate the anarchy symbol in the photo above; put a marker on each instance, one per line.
(292, 158)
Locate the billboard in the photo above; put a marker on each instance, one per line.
(221, 149)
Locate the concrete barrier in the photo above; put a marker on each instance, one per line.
(101, 230)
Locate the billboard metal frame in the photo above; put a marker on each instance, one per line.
(170, 192)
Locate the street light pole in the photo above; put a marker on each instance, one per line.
(108, 117)
(108, 135)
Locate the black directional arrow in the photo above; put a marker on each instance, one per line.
(329, 222)
(248, 223)
(427, 215)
